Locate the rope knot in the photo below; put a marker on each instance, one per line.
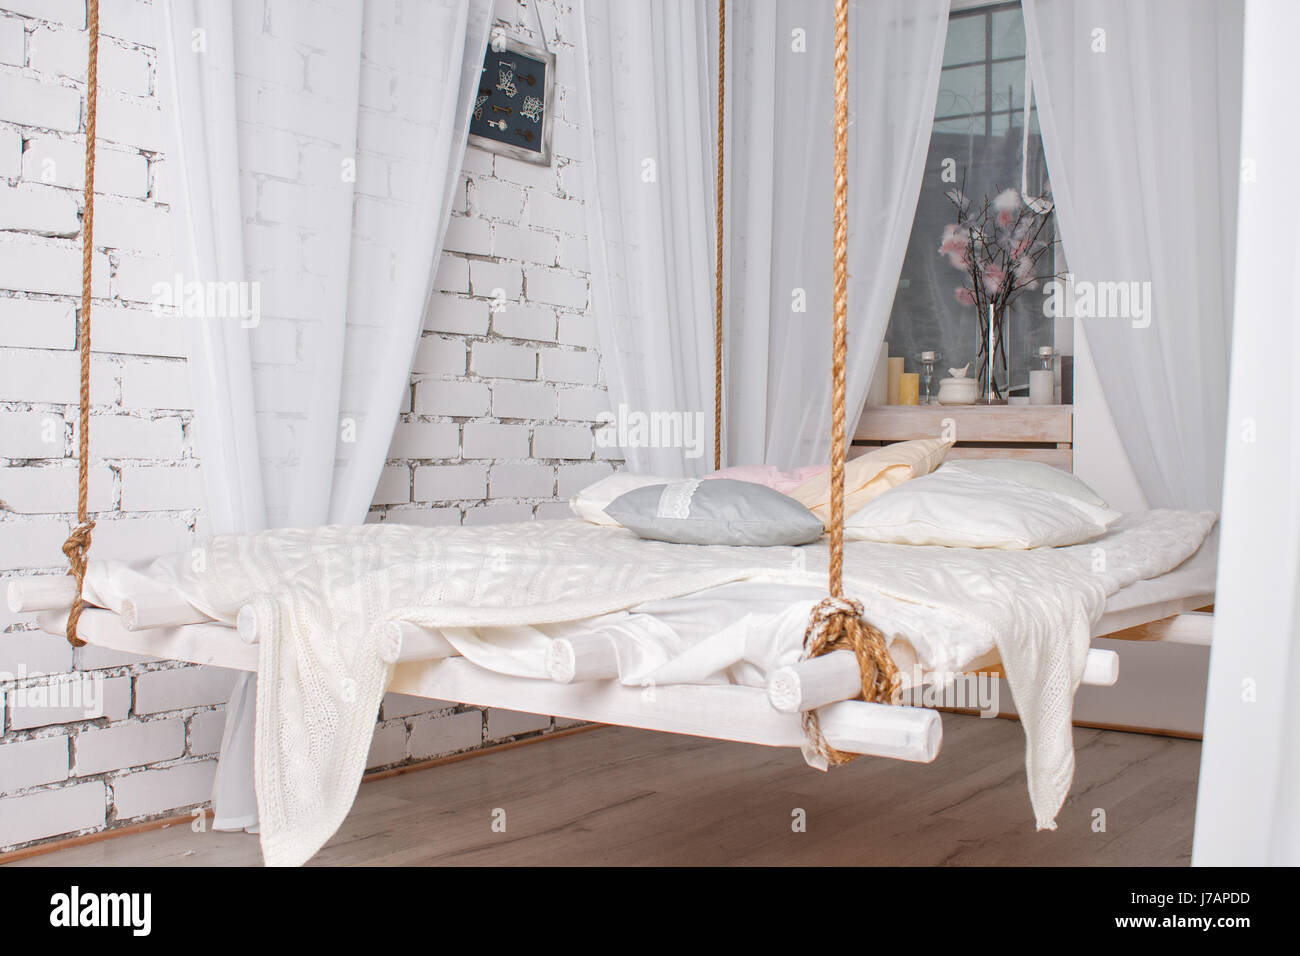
(827, 608)
(77, 545)
(837, 624)
(75, 548)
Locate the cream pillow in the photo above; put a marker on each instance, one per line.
(872, 474)
(956, 508)
(589, 503)
(1036, 474)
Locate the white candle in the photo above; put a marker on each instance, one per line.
(927, 356)
(1042, 387)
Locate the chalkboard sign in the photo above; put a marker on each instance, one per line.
(512, 107)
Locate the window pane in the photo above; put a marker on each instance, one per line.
(965, 43)
(961, 91)
(965, 125)
(1008, 33)
(1009, 85)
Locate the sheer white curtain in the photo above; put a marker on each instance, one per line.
(1248, 802)
(779, 202)
(1139, 107)
(314, 150)
(314, 155)
(651, 80)
(648, 100)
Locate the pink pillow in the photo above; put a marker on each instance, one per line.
(770, 476)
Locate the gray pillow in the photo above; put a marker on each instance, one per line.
(717, 511)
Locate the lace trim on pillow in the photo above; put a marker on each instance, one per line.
(675, 500)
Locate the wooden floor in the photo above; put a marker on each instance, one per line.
(619, 796)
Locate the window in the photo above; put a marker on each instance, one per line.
(978, 135)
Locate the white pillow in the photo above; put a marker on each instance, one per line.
(589, 503)
(961, 509)
(1036, 474)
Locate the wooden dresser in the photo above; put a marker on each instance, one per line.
(1030, 432)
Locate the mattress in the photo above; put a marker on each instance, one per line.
(1187, 587)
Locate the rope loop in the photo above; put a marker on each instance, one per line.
(76, 548)
(837, 624)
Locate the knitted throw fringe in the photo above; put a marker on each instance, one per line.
(77, 547)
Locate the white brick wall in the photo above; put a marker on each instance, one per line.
(498, 425)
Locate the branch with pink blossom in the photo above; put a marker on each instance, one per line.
(999, 245)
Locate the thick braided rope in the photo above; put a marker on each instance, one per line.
(837, 625)
(717, 293)
(841, 297)
(836, 622)
(77, 547)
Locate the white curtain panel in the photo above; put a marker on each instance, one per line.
(648, 114)
(779, 199)
(1248, 802)
(1139, 107)
(314, 148)
(315, 151)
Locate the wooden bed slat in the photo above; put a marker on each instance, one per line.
(1193, 627)
(1115, 624)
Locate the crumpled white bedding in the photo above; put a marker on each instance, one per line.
(501, 593)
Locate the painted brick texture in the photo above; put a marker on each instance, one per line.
(498, 425)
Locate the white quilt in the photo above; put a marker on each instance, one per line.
(321, 680)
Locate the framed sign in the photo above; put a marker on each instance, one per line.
(512, 108)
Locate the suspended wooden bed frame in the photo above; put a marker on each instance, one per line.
(835, 698)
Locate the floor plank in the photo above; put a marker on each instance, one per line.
(617, 796)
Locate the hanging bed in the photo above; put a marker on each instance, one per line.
(595, 623)
(592, 623)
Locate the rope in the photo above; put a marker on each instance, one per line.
(77, 547)
(837, 622)
(841, 297)
(717, 324)
(837, 625)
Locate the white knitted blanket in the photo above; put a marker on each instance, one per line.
(324, 589)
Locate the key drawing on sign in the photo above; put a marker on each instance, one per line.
(478, 106)
(527, 134)
(499, 124)
(532, 108)
(506, 79)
